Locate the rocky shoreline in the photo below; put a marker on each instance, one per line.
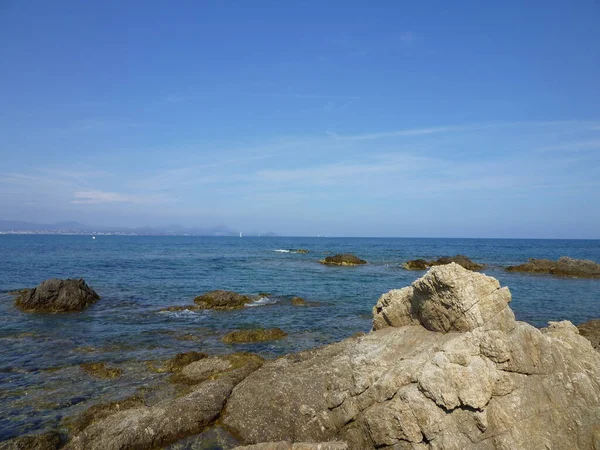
(444, 367)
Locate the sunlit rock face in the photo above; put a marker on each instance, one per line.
(446, 367)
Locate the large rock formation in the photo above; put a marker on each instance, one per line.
(447, 367)
(343, 260)
(563, 267)
(57, 296)
(461, 260)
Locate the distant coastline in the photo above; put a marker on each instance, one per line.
(79, 229)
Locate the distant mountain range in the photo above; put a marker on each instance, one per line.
(19, 227)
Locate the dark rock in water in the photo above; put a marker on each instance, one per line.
(461, 260)
(343, 260)
(564, 267)
(416, 264)
(285, 445)
(298, 301)
(45, 441)
(264, 294)
(222, 300)
(100, 370)
(591, 331)
(57, 296)
(183, 359)
(302, 250)
(448, 367)
(170, 420)
(255, 335)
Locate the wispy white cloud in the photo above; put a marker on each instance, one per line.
(398, 133)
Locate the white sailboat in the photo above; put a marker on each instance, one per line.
(240, 234)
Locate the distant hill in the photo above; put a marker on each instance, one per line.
(14, 226)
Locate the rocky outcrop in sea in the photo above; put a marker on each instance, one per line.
(461, 260)
(563, 267)
(343, 260)
(218, 300)
(56, 295)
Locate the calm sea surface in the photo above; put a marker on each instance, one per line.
(41, 383)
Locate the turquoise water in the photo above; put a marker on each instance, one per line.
(136, 276)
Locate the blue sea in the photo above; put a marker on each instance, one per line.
(136, 276)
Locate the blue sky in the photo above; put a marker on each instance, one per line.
(450, 119)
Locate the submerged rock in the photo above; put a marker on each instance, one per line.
(56, 295)
(462, 260)
(100, 370)
(220, 299)
(302, 250)
(45, 441)
(169, 420)
(448, 367)
(591, 331)
(343, 260)
(298, 301)
(254, 335)
(563, 267)
(181, 308)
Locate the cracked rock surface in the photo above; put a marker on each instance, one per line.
(446, 367)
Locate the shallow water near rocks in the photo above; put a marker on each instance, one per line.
(40, 379)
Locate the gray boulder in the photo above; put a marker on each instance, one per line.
(56, 295)
(448, 298)
(447, 367)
